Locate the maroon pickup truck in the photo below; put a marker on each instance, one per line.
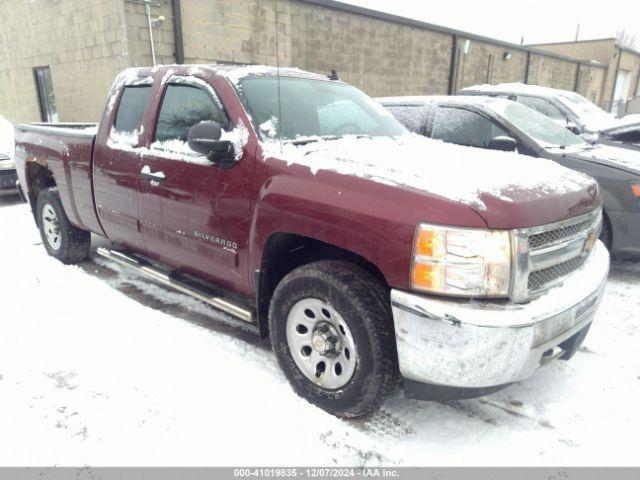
(294, 202)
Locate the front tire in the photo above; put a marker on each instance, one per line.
(61, 239)
(332, 331)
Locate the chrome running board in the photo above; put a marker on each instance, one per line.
(164, 278)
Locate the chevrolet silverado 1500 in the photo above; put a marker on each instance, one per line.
(294, 202)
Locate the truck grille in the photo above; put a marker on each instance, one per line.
(551, 237)
(548, 253)
(540, 278)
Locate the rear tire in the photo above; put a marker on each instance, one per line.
(61, 239)
(332, 331)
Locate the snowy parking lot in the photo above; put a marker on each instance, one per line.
(100, 367)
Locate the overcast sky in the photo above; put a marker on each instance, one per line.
(537, 21)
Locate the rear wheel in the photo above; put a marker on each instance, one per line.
(61, 239)
(331, 329)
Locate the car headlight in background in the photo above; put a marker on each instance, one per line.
(461, 262)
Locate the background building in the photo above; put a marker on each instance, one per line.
(622, 76)
(59, 57)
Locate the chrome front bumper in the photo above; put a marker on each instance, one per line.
(479, 344)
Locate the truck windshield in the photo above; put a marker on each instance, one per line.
(539, 127)
(310, 109)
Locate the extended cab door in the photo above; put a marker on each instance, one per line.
(116, 167)
(194, 215)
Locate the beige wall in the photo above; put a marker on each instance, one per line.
(82, 41)
(137, 31)
(382, 57)
(485, 63)
(591, 82)
(88, 42)
(598, 50)
(631, 62)
(552, 72)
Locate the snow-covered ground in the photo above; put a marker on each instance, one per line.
(99, 367)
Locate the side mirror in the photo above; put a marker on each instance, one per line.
(505, 144)
(204, 138)
(573, 128)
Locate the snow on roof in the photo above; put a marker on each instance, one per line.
(426, 99)
(434, 167)
(523, 88)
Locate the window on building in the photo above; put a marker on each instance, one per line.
(131, 109)
(543, 106)
(46, 97)
(463, 127)
(184, 106)
(414, 117)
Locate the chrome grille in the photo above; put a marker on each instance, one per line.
(546, 254)
(551, 237)
(540, 278)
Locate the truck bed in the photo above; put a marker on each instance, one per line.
(67, 150)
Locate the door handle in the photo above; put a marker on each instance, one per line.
(153, 177)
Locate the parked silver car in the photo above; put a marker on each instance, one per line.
(571, 110)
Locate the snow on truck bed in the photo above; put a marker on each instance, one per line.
(459, 173)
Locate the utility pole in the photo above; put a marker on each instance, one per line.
(578, 32)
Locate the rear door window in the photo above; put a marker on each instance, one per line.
(414, 117)
(463, 127)
(184, 106)
(131, 110)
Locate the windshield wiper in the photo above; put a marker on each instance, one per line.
(305, 141)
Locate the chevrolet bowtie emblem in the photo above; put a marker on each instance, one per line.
(589, 243)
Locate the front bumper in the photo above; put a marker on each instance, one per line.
(483, 344)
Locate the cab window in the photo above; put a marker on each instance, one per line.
(131, 109)
(464, 127)
(544, 107)
(184, 106)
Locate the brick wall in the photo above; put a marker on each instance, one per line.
(486, 63)
(552, 72)
(82, 41)
(381, 57)
(598, 50)
(88, 42)
(137, 31)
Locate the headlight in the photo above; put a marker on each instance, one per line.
(461, 262)
(635, 189)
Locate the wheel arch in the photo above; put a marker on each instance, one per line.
(38, 177)
(284, 252)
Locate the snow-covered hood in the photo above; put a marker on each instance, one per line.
(628, 124)
(621, 158)
(485, 180)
